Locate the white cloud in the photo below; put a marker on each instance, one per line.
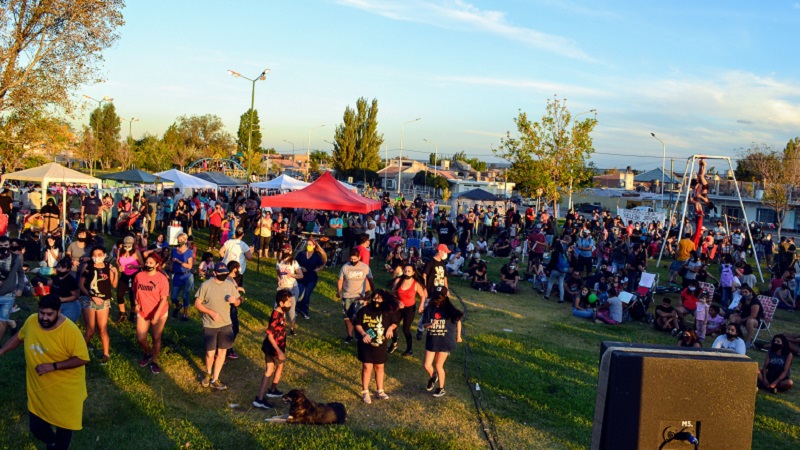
(547, 88)
(458, 14)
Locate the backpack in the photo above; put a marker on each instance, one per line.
(726, 276)
(562, 265)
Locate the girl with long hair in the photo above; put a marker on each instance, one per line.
(375, 324)
(408, 287)
(442, 320)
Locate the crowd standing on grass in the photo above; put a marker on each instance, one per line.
(589, 263)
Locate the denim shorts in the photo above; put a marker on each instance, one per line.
(88, 303)
(6, 303)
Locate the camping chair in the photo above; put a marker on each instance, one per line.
(770, 304)
(708, 288)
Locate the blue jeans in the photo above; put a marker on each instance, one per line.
(582, 313)
(304, 296)
(185, 288)
(90, 220)
(71, 310)
(6, 303)
(556, 275)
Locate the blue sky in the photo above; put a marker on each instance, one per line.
(706, 77)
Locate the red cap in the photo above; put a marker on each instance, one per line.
(442, 248)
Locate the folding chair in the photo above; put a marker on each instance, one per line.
(770, 304)
(708, 288)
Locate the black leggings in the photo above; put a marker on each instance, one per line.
(213, 237)
(124, 287)
(407, 316)
(43, 431)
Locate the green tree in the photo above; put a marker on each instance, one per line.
(357, 143)
(549, 154)
(50, 48)
(23, 130)
(205, 136)
(778, 172)
(151, 154)
(251, 156)
(106, 125)
(425, 178)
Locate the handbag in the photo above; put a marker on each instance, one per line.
(257, 232)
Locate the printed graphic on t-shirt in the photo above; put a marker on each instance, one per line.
(373, 326)
(438, 326)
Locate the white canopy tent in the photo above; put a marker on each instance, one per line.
(283, 183)
(55, 173)
(185, 181)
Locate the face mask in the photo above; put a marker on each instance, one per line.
(4, 251)
(98, 259)
(730, 336)
(149, 268)
(222, 277)
(691, 289)
(407, 277)
(82, 239)
(310, 248)
(512, 267)
(127, 247)
(353, 263)
(776, 347)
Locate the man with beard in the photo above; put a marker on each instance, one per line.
(55, 354)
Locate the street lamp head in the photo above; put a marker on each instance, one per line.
(108, 99)
(86, 96)
(263, 75)
(234, 74)
(653, 134)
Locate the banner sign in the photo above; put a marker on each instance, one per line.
(638, 215)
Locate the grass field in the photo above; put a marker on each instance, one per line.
(535, 365)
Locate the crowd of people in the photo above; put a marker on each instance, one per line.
(119, 249)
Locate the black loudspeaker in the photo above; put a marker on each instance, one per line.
(658, 397)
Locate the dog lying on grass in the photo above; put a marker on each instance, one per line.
(304, 410)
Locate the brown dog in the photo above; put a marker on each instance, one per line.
(303, 410)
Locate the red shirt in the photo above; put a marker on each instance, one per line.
(214, 218)
(689, 299)
(277, 328)
(148, 291)
(363, 254)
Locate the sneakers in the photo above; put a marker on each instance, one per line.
(154, 367)
(432, 382)
(261, 403)
(292, 332)
(104, 360)
(175, 312)
(274, 393)
(408, 353)
(232, 354)
(306, 316)
(206, 380)
(145, 361)
(216, 384)
(439, 392)
(14, 308)
(393, 347)
(382, 395)
(121, 319)
(365, 396)
(184, 319)
(348, 339)
(419, 335)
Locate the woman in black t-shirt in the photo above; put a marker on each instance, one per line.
(96, 283)
(375, 325)
(442, 320)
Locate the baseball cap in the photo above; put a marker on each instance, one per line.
(287, 247)
(128, 240)
(442, 248)
(221, 268)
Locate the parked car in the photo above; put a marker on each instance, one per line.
(588, 207)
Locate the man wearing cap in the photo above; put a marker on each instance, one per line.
(435, 276)
(352, 286)
(213, 300)
(236, 250)
(90, 208)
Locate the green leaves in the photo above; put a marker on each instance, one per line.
(357, 143)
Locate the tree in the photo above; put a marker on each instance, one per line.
(151, 154)
(550, 154)
(25, 130)
(778, 172)
(180, 144)
(357, 143)
(107, 125)
(425, 178)
(251, 157)
(205, 135)
(50, 48)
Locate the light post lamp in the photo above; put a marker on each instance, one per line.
(130, 125)
(308, 149)
(106, 99)
(262, 77)
(569, 205)
(663, 163)
(400, 159)
(290, 142)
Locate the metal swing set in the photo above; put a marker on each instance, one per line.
(688, 175)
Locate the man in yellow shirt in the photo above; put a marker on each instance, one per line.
(55, 353)
(685, 247)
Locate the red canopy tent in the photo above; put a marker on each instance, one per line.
(325, 193)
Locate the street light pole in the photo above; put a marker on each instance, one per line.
(663, 163)
(96, 128)
(130, 125)
(262, 77)
(290, 142)
(400, 159)
(308, 149)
